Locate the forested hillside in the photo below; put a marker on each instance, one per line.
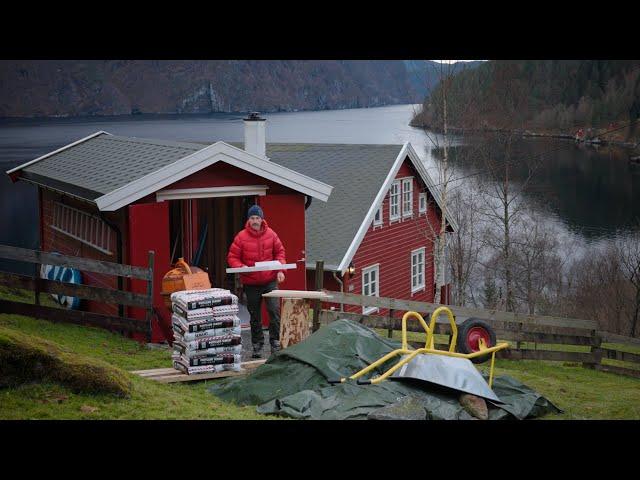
(109, 87)
(541, 95)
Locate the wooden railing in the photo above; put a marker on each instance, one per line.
(548, 334)
(106, 295)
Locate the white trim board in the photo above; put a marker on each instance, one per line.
(406, 151)
(435, 191)
(219, 151)
(211, 192)
(31, 162)
(265, 268)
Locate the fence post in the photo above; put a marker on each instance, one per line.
(36, 284)
(390, 329)
(149, 314)
(596, 341)
(318, 303)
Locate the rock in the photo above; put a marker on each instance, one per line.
(475, 406)
(407, 408)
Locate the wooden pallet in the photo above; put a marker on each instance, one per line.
(171, 375)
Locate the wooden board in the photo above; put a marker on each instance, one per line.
(619, 370)
(284, 266)
(78, 317)
(395, 304)
(294, 321)
(171, 375)
(297, 294)
(85, 264)
(44, 285)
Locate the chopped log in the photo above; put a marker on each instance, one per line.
(294, 321)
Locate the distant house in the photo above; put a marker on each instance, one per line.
(114, 198)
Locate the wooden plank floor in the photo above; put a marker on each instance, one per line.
(171, 375)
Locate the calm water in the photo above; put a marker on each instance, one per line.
(590, 193)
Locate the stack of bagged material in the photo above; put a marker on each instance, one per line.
(207, 332)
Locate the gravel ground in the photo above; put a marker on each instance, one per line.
(247, 347)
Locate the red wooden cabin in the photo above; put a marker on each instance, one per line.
(115, 198)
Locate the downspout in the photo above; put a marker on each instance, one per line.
(307, 204)
(115, 228)
(341, 288)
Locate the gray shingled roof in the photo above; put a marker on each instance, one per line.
(356, 173)
(105, 163)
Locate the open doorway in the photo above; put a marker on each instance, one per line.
(202, 231)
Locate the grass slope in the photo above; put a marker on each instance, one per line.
(148, 400)
(581, 393)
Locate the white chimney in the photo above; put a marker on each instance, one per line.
(254, 134)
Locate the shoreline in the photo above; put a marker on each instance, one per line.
(529, 133)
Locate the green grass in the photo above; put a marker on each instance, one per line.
(149, 399)
(580, 392)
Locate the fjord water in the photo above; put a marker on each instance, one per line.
(592, 194)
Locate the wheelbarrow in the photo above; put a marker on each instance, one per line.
(449, 368)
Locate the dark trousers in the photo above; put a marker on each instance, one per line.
(254, 301)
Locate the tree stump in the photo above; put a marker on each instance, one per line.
(294, 321)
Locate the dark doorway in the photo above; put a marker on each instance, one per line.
(205, 241)
(219, 220)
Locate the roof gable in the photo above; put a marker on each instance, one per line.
(361, 176)
(120, 170)
(219, 151)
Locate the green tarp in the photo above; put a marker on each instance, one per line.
(293, 383)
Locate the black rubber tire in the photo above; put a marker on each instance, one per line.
(462, 344)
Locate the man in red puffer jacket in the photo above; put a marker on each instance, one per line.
(259, 243)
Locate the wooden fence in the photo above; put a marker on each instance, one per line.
(106, 295)
(549, 335)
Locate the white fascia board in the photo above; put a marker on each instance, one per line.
(279, 174)
(211, 192)
(196, 161)
(31, 162)
(357, 240)
(435, 191)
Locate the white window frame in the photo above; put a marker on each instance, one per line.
(82, 226)
(365, 271)
(415, 255)
(422, 197)
(396, 185)
(407, 212)
(380, 221)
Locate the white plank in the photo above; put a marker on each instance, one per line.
(265, 268)
(313, 295)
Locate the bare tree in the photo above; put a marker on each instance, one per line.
(465, 243)
(628, 250)
(503, 206)
(435, 115)
(536, 261)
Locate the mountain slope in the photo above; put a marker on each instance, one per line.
(110, 87)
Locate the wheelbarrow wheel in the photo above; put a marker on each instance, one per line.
(469, 334)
